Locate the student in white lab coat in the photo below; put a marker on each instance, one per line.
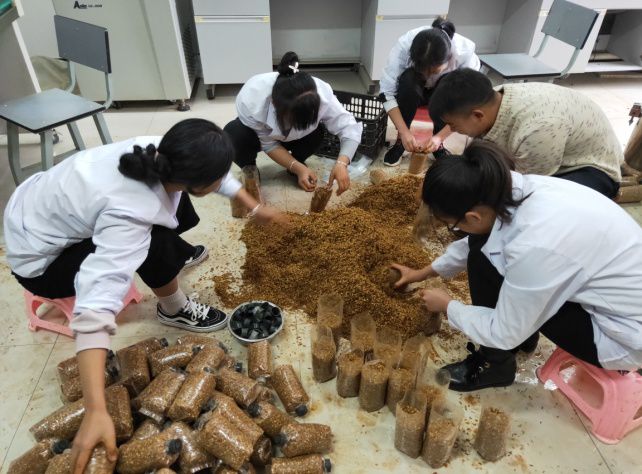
(84, 227)
(285, 114)
(543, 254)
(415, 64)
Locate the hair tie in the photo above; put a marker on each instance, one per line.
(294, 68)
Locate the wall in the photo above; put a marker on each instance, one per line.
(480, 21)
(317, 30)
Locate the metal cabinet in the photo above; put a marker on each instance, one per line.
(234, 40)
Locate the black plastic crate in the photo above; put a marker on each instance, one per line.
(368, 110)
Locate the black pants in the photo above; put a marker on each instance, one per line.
(247, 144)
(412, 94)
(165, 259)
(570, 328)
(594, 179)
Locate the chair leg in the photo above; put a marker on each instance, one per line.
(46, 149)
(103, 131)
(75, 136)
(13, 142)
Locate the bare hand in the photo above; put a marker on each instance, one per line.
(342, 177)
(270, 215)
(96, 427)
(307, 178)
(436, 300)
(409, 142)
(408, 275)
(433, 144)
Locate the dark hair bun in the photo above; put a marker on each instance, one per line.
(289, 59)
(144, 165)
(444, 25)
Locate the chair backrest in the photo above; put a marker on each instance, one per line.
(83, 43)
(570, 23)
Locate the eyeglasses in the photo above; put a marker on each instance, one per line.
(453, 228)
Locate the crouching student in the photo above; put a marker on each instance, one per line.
(286, 114)
(84, 227)
(550, 130)
(543, 255)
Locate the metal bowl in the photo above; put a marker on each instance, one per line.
(250, 304)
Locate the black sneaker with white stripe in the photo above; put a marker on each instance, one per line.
(194, 316)
(200, 254)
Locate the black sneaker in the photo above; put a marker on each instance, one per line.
(200, 254)
(393, 155)
(530, 344)
(194, 316)
(476, 372)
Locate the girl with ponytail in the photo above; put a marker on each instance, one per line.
(285, 114)
(84, 227)
(415, 64)
(543, 254)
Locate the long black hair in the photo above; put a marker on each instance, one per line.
(481, 175)
(432, 46)
(294, 95)
(194, 152)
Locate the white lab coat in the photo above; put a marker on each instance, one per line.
(463, 53)
(256, 111)
(84, 197)
(566, 242)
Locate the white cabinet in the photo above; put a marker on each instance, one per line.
(234, 40)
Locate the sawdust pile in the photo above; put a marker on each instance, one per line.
(345, 250)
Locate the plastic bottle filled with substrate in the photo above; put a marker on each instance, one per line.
(192, 397)
(99, 462)
(288, 387)
(442, 431)
(64, 422)
(430, 320)
(210, 357)
(72, 389)
(155, 452)
(297, 439)
(119, 408)
(134, 369)
(320, 197)
(418, 162)
(310, 464)
(259, 361)
(374, 381)
(401, 380)
(410, 423)
(413, 353)
(269, 418)
(349, 366)
(193, 457)
(433, 383)
(152, 344)
(324, 353)
(36, 460)
(330, 314)
(262, 454)
(200, 340)
(423, 225)
(363, 332)
(229, 362)
(238, 386)
(252, 181)
(68, 368)
(158, 396)
(492, 433)
(147, 428)
(177, 356)
(60, 464)
(387, 346)
(227, 407)
(224, 440)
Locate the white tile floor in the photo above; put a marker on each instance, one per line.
(548, 434)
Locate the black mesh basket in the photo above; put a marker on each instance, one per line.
(368, 110)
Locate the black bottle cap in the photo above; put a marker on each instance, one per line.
(327, 465)
(164, 342)
(238, 367)
(196, 349)
(280, 439)
(301, 410)
(174, 446)
(60, 446)
(254, 409)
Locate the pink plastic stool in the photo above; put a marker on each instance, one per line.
(66, 305)
(612, 401)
